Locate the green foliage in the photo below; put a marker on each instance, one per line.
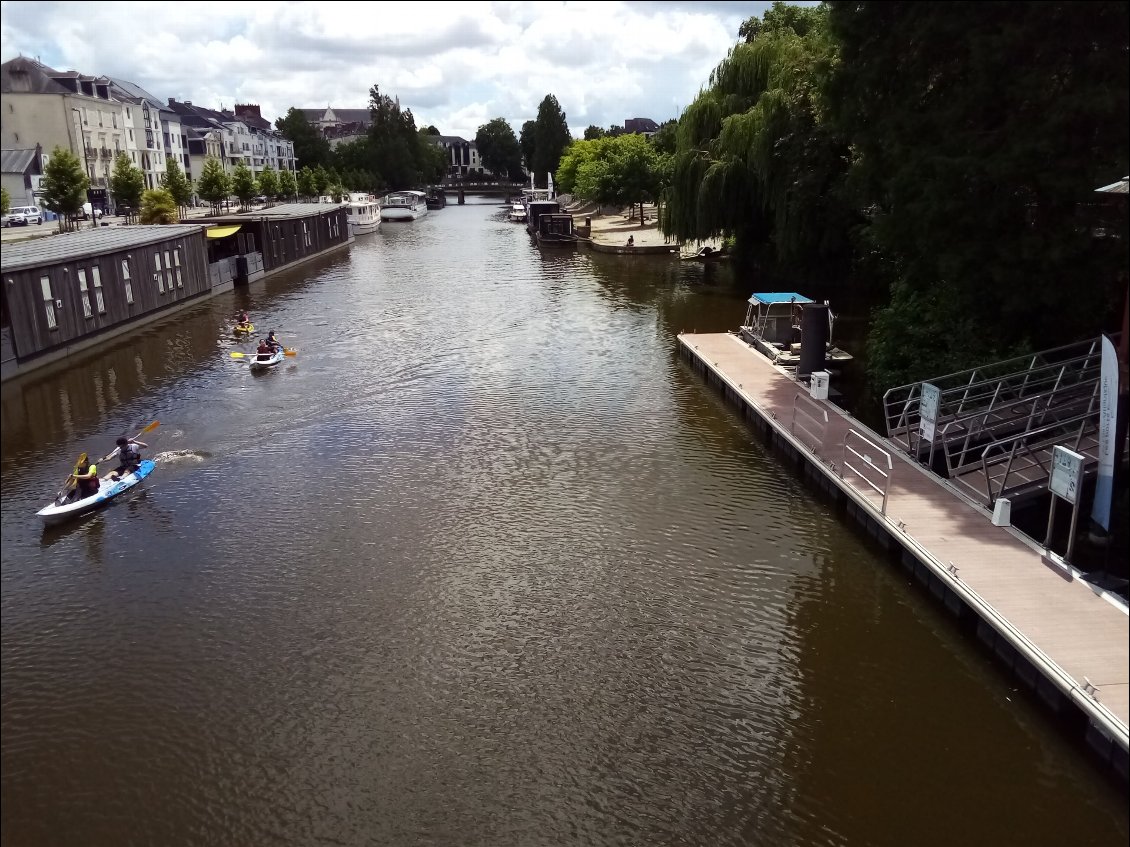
(613, 170)
(403, 157)
(593, 132)
(310, 148)
(526, 144)
(269, 182)
(214, 185)
(978, 156)
(550, 137)
(243, 184)
(176, 183)
(499, 149)
(5, 201)
(664, 139)
(287, 185)
(158, 206)
(356, 165)
(126, 182)
(307, 184)
(756, 156)
(64, 183)
(321, 180)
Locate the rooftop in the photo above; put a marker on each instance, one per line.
(286, 210)
(70, 246)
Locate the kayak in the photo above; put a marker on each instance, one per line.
(107, 491)
(243, 329)
(261, 361)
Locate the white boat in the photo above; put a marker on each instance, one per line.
(772, 327)
(364, 214)
(518, 213)
(108, 489)
(404, 206)
(262, 361)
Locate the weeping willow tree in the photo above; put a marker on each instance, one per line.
(756, 157)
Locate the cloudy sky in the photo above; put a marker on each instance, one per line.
(456, 65)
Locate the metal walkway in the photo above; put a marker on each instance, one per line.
(996, 425)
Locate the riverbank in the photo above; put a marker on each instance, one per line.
(609, 231)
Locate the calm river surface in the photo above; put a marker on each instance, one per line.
(485, 564)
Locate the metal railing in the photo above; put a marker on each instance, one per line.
(985, 391)
(856, 462)
(1029, 453)
(811, 419)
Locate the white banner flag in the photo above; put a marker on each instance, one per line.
(1108, 411)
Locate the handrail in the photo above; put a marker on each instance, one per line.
(807, 416)
(866, 459)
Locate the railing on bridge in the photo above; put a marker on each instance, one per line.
(864, 467)
(811, 419)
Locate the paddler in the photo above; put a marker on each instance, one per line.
(86, 479)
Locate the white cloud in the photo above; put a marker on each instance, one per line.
(456, 65)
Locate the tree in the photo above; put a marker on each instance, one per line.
(126, 183)
(64, 185)
(158, 206)
(527, 144)
(613, 171)
(431, 130)
(243, 184)
(499, 149)
(176, 183)
(214, 185)
(551, 136)
(394, 149)
(310, 148)
(5, 201)
(268, 183)
(307, 186)
(980, 193)
(321, 180)
(757, 157)
(664, 139)
(593, 132)
(287, 185)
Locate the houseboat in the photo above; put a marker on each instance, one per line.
(436, 198)
(556, 230)
(404, 206)
(777, 323)
(364, 214)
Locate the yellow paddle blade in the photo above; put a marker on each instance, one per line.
(238, 355)
(290, 352)
(149, 428)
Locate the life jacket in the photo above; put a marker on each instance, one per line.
(89, 484)
(130, 455)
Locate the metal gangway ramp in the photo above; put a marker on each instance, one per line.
(996, 424)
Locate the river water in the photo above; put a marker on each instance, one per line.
(484, 564)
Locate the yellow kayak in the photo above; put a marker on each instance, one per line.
(244, 329)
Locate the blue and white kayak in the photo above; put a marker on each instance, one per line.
(265, 360)
(107, 491)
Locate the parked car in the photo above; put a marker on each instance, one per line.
(88, 211)
(23, 215)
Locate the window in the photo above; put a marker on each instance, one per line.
(176, 264)
(84, 293)
(114, 119)
(96, 276)
(48, 301)
(131, 135)
(158, 276)
(169, 266)
(306, 233)
(126, 281)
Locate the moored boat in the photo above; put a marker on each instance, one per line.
(108, 489)
(364, 214)
(773, 326)
(404, 206)
(517, 213)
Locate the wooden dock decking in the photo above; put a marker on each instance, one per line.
(1075, 637)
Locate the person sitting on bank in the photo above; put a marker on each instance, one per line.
(86, 479)
(631, 241)
(129, 456)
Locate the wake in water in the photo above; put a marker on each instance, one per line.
(174, 456)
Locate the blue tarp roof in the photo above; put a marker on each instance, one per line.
(778, 297)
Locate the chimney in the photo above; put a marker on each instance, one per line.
(172, 101)
(188, 102)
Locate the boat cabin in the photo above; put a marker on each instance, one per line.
(556, 228)
(776, 326)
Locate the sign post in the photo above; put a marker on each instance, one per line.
(928, 402)
(1065, 484)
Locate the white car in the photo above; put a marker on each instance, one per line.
(23, 216)
(88, 211)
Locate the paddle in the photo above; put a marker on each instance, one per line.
(70, 481)
(117, 450)
(286, 352)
